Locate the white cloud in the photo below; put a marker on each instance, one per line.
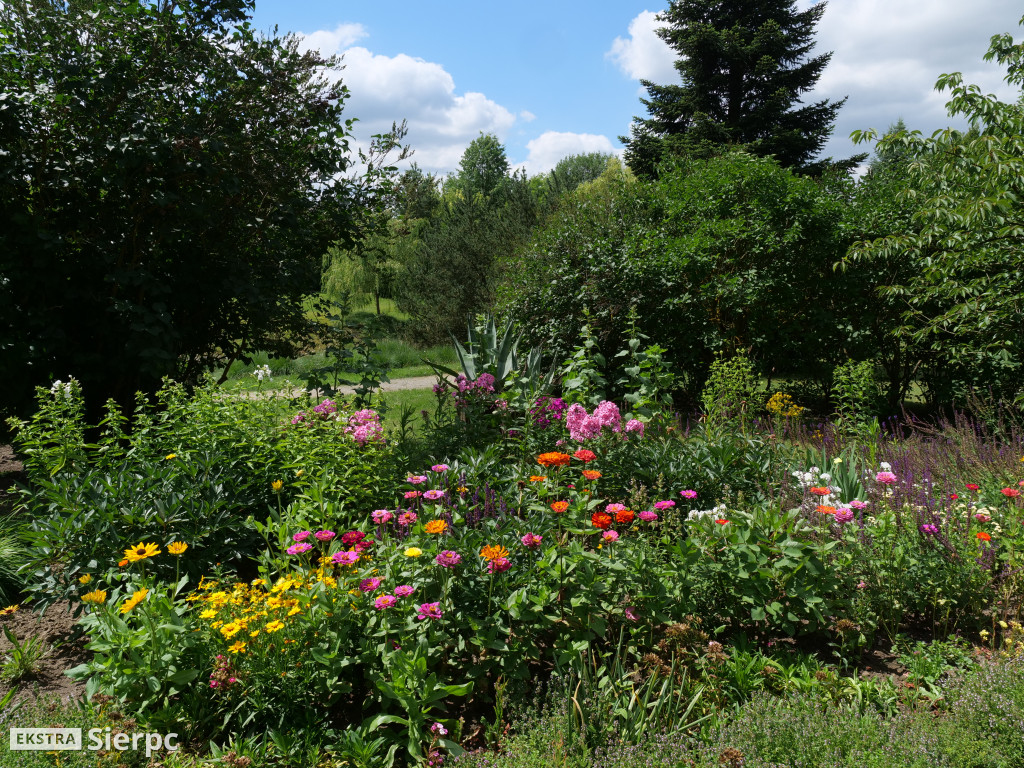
(330, 43)
(551, 146)
(389, 89)
(527, 116)
(644, 55)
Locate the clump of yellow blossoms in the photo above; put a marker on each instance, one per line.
(781, 404)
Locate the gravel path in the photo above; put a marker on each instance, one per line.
(395, 385)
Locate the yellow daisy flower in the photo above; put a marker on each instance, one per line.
(96, 596)
(177, 547)
(140, 552)
(137, 597)
(85, 579)
(238, 647)
(274, 626)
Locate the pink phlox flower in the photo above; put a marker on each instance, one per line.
(636, 426)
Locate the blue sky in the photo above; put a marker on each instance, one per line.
(562, 77)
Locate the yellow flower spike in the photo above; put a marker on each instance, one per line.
(96, 597)
(177, 547)
(140, 552)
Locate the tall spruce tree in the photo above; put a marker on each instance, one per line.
(744, 65)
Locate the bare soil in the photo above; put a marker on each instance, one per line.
(64, 651)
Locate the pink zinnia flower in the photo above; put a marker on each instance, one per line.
(298, 549)
(352, 537)
(647, 516)
(440, 468)
(688, 494)
(858, 504)
(369, 585)
(448, 559)
(498, 565)
(888, 478)
(631, 613)
(844, 515)
(531, 540)
(610, 536)
(429, 611)
(345, 558)
(1010, 493)
(302, 536)
(404, 590)
(407, 518)
(384, 601)
(416, 479)
(981, 517)
(611, 509)
(362, 546)
(412, 494)
(381, 516)
(325, 535)
(664, 504)
(433, 495)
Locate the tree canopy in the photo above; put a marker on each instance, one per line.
(744, 66)
(169, 180)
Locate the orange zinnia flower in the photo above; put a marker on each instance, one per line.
(625, 516)
(591, 474)
(819, 490)
(538, 478)
(493, 552)
(601, 520)
(553, 459)
(435, 526)
(560, 506)
(983, 536)
(826, 510)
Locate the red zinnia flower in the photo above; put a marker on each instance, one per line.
(601, 520)
(983, 536)
(584, 455)
(721, 521)
(1010, 493)
(625, 516)
(560, 506)
(973, 487)
(826, 510)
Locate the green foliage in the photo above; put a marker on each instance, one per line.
(22, 660)
(743, 67)
(962, 298)
(483, 168)
(729, 392)
(856, 397)
(158, 220)
(582, 375)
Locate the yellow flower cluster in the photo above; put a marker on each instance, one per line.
(781, 404)
(137, 597)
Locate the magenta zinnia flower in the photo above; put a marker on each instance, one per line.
(448, 559)
(345, 558)
(301, 536)
(384, 601)
(888, 478)
(429, 611)
(531, 540)
(298, 549)
(369, 585)
(610, 536)
(858, 504)
(498, 565)
(407, 518)
(647, 516)
(688, 494)
(844, 515)
(667, 504)
(433, 495)
(325, 535)
(404, 590)
(381, 516)
(439, 468)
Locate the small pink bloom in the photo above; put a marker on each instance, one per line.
(352, 537)
(298, 549)
(631, 613)
(416, 479)
(407, 518)
(688, 494)
(381, 516)
(610, 536)
(448, 559)
(325, 535)
(404, 590)
(844, 515)
(433, 495)
(384, 601)
(611, 509)
(429, 611)
(440, 468)
(634, 425)
(302, 536)
(981, 517)
(887, 478)
(858, 504)
(663, 505)
(498, 565)
(861, 585)
(345, 558)
(648, 517)
(369, 585)
(531, 540)
(412, 494)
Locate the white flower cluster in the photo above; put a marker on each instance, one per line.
(261, 373)
(59, 388)
(697, 514)
(814, 477)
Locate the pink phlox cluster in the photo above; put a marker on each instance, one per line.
(635, 426)
(365, 427)
(585, 426)
(482, 383)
